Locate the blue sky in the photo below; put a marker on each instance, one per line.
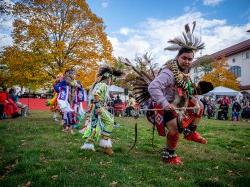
(138, 26)
(128, 13)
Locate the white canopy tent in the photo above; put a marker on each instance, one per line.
(116, 89)
(220, 90)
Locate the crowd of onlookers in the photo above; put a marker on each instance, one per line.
(10, 106)
(128, 107)
(225, 108)
(221, 108)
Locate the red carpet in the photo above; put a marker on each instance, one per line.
(39, 104)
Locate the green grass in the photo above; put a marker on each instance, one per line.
(35, 151)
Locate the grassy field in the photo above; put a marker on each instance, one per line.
(35, 152)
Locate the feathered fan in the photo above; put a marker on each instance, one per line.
(142, 81)
(187, 40)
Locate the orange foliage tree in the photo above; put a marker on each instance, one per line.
(54, 35)
(23, 69)
(221, 76)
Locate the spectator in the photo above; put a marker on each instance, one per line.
(224, 106)
(236, 108)
(2, 116)
(9, 106)
(246, 112)
(204, 101)
(210, 109)
(118, 100)
(244, 101)
(110, 104)
(24, 108)
(131, 105)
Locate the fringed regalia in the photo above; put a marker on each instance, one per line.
(52, 103)
(99, 121)
(70, 97)
(172, 85)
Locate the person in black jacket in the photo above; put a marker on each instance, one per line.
(246, 112)
(236, 108)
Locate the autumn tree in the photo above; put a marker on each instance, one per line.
(23, 68)
(204, 64)
(51, 36)
(221, 76)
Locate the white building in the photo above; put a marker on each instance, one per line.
(238, 59)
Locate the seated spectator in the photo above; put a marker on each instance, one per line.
(119, 107)
(24, 108)
(9, 106)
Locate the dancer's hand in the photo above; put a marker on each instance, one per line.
(170, 107)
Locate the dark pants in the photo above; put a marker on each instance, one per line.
(128, 110)
(222, 115)
(1, 111)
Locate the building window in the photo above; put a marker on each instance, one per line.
(233, 60)
(236, 70)
(247, 55)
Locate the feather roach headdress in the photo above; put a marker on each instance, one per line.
(107, 71)
(188, 40)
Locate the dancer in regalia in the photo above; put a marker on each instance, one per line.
(70, 97)
(52, 103)
(171, 94)
(100, 122)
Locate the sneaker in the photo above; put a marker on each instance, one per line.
(196, 137)
(176, 160)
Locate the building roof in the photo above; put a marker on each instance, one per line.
(245, 87)
(234, 49)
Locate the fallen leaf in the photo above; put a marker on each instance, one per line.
(54, 177)
(28, 184)
(113, 184)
